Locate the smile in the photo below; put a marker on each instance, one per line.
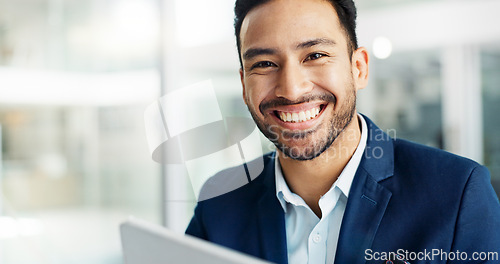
(298, 117)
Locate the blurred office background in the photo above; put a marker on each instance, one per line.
(76, 76)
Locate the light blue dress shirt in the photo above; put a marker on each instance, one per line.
(311, 239)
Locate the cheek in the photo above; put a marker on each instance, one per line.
(258, 88)
(332, 79)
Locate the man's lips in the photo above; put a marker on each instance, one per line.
(298, 113)
(298, 117)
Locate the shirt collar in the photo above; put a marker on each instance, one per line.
(344, 181)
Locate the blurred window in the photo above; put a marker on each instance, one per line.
(75, 78)
(490, 69)
(407, 96)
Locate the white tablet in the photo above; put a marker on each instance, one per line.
(147, 243)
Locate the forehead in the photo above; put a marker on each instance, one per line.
(287, 22)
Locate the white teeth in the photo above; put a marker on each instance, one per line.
(300, 116)
(308, 115)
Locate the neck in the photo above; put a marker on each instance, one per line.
(313, 178)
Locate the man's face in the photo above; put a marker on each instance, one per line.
(297, 75)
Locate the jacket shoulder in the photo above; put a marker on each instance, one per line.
(233, 184)
(417, 157)
(224, 216)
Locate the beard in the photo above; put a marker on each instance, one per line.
(314, 141)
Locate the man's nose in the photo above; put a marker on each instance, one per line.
(293, 82)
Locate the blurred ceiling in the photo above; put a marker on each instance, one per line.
(369, 4)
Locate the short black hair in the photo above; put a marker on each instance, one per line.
(346, 11)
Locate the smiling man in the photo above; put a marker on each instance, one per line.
(337, 189)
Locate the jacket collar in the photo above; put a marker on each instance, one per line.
(271, 217)
(378, 159)
(368, 199)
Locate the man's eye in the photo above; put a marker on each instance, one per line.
(263, 64)
(315, 56)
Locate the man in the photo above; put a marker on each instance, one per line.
(338, 190)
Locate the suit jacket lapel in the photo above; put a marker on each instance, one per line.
(368, 199)
(271, 219)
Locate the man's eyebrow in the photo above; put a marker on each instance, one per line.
(251, 53)
(254, 52)
(314, 42)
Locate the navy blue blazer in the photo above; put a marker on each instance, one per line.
(405, 198)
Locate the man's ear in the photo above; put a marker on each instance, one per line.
(242, 79)
(360, 68)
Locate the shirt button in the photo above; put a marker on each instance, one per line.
(316, 238)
